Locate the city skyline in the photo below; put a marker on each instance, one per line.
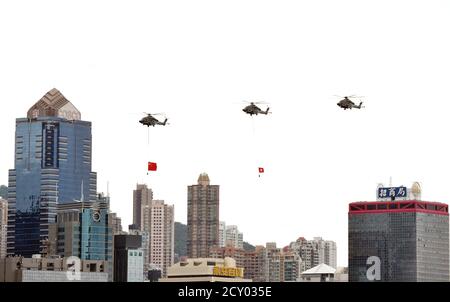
(193, 66)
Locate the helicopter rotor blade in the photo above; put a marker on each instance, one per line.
(249, 102)
(154, 113)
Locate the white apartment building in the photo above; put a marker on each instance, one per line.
(135, 265)
(229, 236)
(222, 233)
(144, 247)
(158, 220)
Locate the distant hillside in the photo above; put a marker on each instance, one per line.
(4, 192)
(181, 238)
(248, 247)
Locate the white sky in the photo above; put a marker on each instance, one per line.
(194, 60)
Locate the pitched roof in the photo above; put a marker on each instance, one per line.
(53, 103)
(321, 269)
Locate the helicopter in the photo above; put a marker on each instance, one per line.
(253, 109)
(149, 120)
(346, 103)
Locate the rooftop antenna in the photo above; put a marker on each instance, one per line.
(107, 188)
(82, 190)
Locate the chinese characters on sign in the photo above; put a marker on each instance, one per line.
(392, 193)
(228, 272)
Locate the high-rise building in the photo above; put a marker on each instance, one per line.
(128, 259)
(203, 217)
(251, 261)
(222, 233)
(330, 254)
(315, 252)
(398, 238)
(53, 164)
(116, 224)
(239, 255)
(264, 264)
(229, 235)
(281, 265)
(290, 265)
(255, 264)
(234, 237)
(141, 196)
(158, 221)
(3, 226)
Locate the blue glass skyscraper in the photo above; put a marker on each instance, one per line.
(53, 161)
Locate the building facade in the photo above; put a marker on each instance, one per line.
(239, 255)
(141, 196)
(83, 230)
(229, 235)
(315, 252)
(128, 259)
(281, 265)
(234, 237)
(264, 264)
(222, 233)
(203, 217)
(145, 247)
(205, 270)
(3, 226)
(52, 269)
(253, 262)
(53, 164)
(116, 224)
(158, 221)
(398, 240)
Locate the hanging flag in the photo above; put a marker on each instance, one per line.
(261, 170)
(152, 166)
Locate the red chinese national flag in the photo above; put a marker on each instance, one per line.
(152, 166)
(261, 170)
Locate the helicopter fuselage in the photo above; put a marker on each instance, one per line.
(254, 110)
(348, 104)
(151, 121)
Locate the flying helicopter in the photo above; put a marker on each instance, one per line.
(150, 120)
(252, 109)
(346, 103)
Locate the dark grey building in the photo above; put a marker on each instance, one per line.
(128, 258)
(410, 238)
